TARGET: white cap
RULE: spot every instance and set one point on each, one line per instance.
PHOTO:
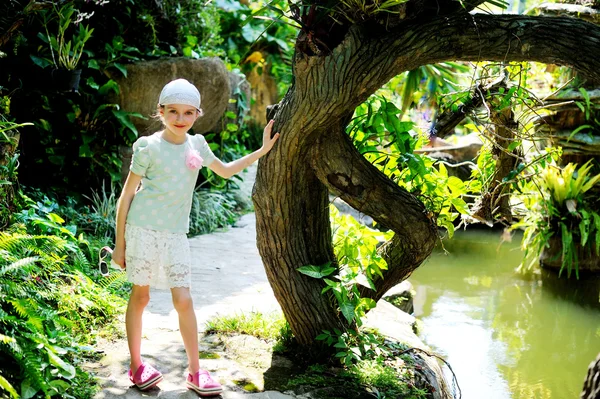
(180, 91)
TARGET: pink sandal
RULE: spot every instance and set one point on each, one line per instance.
(145, 377)
(203, 384)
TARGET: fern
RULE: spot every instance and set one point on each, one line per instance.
(44, 295)
(114, 280)
(19, 264)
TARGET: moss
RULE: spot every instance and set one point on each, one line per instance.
(246, 385)
(208, 355)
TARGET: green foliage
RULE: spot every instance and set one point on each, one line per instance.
(590, 111)
(387, 376)
(211, 210)
(560, 208)
(353, 346)
(48, 309)
(383, 378)
(389, 143)
(9, 163)
(65, 52)
(355, 246)
(263, 41)
(427, 83)
(103, 212)
(200, 35)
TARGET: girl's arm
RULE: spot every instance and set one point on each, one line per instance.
(129, 189)
(229, 169)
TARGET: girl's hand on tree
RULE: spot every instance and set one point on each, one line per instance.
(269, 141)
(118, 256)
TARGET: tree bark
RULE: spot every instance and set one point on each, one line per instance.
(313, 155)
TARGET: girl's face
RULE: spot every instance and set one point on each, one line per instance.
(179, 118)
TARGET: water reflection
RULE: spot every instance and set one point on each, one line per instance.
(506, 336)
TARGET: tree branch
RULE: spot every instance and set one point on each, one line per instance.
(364, 61)
(480, 37)
(349, 175)
(447, 121)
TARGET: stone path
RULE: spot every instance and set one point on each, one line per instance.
(227, 277)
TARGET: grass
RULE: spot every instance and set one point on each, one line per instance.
(269, 326)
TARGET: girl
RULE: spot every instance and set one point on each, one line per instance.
(152, 223)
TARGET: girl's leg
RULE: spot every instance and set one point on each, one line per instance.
(139, 298)
(182, 301)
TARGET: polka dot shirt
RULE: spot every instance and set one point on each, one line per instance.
(164, 201)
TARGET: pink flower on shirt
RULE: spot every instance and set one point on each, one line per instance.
(193, 160)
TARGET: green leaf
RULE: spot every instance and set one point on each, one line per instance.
(513, 145)
(60, 386)
(92, 83)
(317, 271)
(123, 117)
(55, 218)
(109, 86)
(41, 62)
(121, 68)
(27, 390)
(348, 310)
(58, 362)
(368, 303)
(460, 205)
(93, 64)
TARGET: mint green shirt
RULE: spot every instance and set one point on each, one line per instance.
(164, 201)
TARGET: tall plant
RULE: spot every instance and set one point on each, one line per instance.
(560, 209)
(66, 48)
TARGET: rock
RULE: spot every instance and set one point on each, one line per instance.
(401, 296)
(140, 90)
(399, 326)
(467, 148)
(394, 323)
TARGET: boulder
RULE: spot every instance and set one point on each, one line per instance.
(140, 90)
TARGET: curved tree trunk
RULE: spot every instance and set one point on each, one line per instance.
(314, 156)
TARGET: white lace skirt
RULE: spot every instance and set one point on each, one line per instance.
(156, 258)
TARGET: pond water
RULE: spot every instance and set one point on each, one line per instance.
(506, 335)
